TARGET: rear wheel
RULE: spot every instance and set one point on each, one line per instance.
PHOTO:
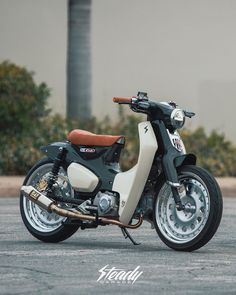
(45, 226)
(193, 227)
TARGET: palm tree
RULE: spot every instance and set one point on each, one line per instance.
(78, 60)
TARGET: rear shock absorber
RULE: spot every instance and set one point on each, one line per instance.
(55, 170)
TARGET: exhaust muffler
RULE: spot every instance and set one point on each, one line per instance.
(44, 202)
(37, 197)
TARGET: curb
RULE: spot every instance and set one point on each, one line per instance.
(10, 186)
(227, 186)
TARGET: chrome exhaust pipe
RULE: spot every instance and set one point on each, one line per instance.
(44, 202)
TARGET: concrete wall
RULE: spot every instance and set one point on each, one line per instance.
(179, 49)
(182, 49)
(33, 34)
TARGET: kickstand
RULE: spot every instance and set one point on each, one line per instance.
(127, 235)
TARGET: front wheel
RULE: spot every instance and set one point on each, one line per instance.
(192, 228)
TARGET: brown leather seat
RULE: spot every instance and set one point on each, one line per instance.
(82, 137)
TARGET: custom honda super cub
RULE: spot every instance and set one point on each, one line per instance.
(80, 185)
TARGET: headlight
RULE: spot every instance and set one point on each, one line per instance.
(177, 118)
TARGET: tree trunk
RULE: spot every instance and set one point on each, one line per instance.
(78, 60)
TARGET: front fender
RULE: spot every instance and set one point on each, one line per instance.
(180, 160)
(187, 159)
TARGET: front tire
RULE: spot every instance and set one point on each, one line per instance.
(192, 228)
(47, 227)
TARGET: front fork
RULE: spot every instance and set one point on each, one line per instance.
(176, 195)
(172, 179)
(170, 154)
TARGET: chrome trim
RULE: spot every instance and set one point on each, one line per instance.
(173, 119)
(174, 184)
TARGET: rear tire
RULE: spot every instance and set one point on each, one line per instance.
(47, 227)
(191, 229)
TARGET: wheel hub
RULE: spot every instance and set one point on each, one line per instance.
(189, 209)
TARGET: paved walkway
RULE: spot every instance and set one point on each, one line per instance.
(10, 186)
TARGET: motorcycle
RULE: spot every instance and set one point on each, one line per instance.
(80, 184)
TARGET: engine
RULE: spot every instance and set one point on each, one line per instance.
(107, 204)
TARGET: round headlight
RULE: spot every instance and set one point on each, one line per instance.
(177, 118)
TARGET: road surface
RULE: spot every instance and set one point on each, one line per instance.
(28, 266)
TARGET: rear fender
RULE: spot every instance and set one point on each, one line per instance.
(52, 151)
(103, 172)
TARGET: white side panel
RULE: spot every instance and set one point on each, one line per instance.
(130, 184)
(81, 178)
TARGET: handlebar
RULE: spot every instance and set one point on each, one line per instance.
(135, 104)
(122, 100)
(141, 105)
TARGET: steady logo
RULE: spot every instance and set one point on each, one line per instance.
(118, 275)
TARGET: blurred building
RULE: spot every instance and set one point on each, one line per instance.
(182, 50)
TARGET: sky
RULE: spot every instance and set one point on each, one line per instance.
(181, 50)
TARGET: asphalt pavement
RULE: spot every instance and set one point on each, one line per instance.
(28, 266)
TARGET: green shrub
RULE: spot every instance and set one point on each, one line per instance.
(18, 153)
(214, 152)
(22, 102)
(22, 110)
(26, 125)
